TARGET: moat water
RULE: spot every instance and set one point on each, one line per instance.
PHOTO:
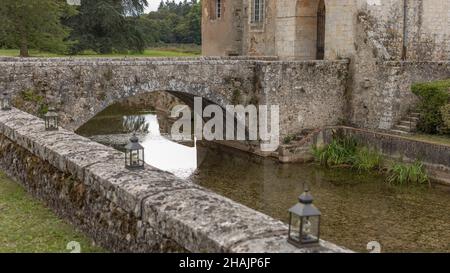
(356, 208)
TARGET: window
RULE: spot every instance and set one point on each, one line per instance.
(218, 9)
(258, 11)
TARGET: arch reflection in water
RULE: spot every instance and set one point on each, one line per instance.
(165, 154)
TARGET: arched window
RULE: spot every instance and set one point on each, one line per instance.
(321, 15)
(258, 11)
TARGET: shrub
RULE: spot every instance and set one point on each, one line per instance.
(445, 115)
(401, 174)
(433, 96)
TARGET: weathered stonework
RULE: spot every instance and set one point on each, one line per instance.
(80, 88)
(293, 29)
(125, 211)
(383, 90)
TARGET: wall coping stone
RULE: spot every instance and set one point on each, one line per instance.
(196, 218)
(158, 61)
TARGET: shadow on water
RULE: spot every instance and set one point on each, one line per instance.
(356, 208)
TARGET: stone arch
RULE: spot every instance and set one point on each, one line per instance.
(181, 90)
(186, 94)
(310, 32)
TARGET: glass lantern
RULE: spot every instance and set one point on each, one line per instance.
(304, 222)
(51, 120)
(6, 102)
(134, 154)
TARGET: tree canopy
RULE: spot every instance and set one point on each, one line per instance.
(34, 24)
(104, 26)
(107, 25)
(173, 23)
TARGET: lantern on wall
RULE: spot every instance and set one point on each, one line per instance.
(51, 120)
(6, 102)
(304, 222)
(134, 154)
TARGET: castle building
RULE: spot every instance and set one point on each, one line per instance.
(327, 29)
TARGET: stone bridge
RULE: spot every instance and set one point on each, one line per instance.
(310, 94)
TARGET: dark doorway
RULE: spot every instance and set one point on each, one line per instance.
(321, 15)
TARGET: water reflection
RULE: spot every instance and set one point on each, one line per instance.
(137, 123)
(165, 154)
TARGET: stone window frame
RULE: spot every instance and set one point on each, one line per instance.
(216, 9)
(257, 24)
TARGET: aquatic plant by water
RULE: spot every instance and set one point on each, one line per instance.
(367, 160)
(341, 151)
(401, 174)
(345, 151)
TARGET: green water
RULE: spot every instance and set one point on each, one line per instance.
(356, 208)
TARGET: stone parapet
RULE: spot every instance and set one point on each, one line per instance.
(128, 211)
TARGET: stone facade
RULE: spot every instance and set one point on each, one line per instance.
(87, 184)
(293, 29)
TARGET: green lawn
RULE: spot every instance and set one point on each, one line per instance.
(156, 52)
(28, 226)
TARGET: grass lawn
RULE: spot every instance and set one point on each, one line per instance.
(437, 139)
(27, 226)
(156, 52)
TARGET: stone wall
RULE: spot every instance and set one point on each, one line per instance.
(311, 94)
(422, 26)
(130, 211)
(382, 92)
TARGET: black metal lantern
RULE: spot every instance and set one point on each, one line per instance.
(51, 120)
(6, 102)
(304, 222)
(134, 154)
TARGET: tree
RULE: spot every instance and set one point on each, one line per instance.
(34, 24)
(173, 23)
(106, 26)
